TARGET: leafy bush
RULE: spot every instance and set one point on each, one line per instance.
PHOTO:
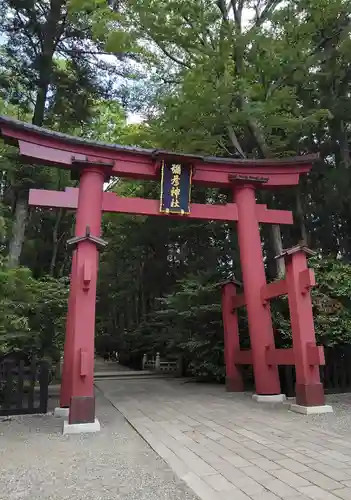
(331, 301)
(189, 321)
(331, 305)
(32, 313)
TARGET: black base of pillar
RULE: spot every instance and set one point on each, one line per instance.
(82, 410)
(234, 384)
(310, 395)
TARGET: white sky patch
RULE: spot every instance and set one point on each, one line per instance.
(134, 118)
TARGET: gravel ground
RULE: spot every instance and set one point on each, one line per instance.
(340, 420)
(37, 462)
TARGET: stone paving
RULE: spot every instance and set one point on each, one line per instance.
(225, 446)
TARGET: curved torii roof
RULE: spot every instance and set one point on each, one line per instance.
(38, 144)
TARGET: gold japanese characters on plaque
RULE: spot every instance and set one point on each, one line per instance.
(175, 188)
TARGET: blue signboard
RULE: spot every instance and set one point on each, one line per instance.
(175, 188)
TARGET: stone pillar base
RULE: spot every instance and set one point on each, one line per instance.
(61, 412)
(311, 410)
(81, 428)
(310, 394)
(234, 384)
(272, 398)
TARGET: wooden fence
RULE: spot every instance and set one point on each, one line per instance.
(18, 382)
(156, 364)
(335, 374)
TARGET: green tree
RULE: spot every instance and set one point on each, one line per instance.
(51, 67)
(32, 313)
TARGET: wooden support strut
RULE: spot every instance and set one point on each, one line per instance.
(268, 291)
(275, 357)
(140, 206)
(273, 290)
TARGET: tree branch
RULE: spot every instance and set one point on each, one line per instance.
(235, 142)
(314, 54)
(90, 52)
(261, 18)
(24, 30)
(170, 56)
(237, 11)
(223, 8)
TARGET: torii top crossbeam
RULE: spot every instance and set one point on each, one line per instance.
(52, 148)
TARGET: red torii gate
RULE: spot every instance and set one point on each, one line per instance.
(94, 163)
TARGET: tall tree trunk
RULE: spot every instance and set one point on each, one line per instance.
(39, 108)
(55, 242)
(300, 217)
(18, 230)
(278, 249)
(21, 203)
(52, 30)
(344, 144)
(239, 101)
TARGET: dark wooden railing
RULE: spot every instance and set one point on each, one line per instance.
(335, 375)
(18, 382)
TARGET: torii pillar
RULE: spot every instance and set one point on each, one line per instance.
(267, 381)
(307, 355)
(77, 387)
(233, 379)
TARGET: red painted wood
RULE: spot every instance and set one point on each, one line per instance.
(270, 216)
(65, 390)
(282, 356)
(53, 199)
(315, 354)
(84, 363)
(309, 390)
(40, 146)
(86, 275)
(81, 321)
(253, 272)
(238, 301)
(273, 357)
(219, 177)
(244, 357)
(133, 163)
(307, 280)
(47, 155)
(276, 357)
(126, 165)
(140, 206)
(272, 290)
(234, 381)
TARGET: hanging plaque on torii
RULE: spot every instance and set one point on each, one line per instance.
(175, 188)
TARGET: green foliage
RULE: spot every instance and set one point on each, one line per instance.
(188, 320)
(192, 320)
(331, 300)
(32, 313)
(331, 305)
